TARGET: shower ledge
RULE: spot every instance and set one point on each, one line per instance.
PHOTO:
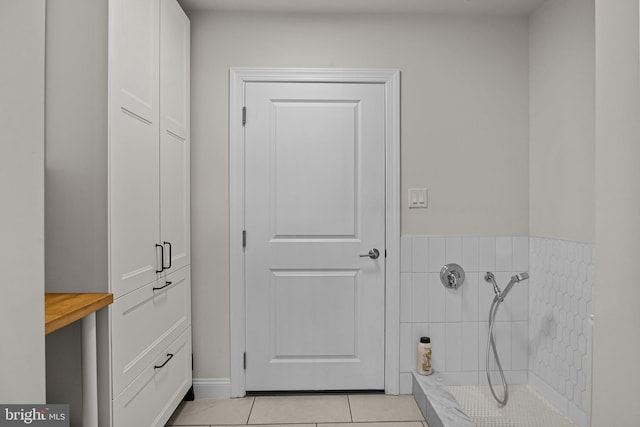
(438, 406)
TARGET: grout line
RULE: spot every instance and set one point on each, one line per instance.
(251, 410)
(349, 403)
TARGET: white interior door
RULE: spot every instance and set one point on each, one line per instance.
(314, 203)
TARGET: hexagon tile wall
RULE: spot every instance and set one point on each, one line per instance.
(560, 325)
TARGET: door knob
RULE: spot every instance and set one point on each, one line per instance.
(373, 254)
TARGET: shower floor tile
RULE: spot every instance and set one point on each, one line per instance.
(525, 407)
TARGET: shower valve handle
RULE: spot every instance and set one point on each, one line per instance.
(453, 277)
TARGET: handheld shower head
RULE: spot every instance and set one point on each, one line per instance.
(514, 279)
(491, 342)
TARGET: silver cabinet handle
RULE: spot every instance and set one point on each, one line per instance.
(373, 254)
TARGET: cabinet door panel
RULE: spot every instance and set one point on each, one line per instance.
(174, 132)
(133, 143)
(134, 55)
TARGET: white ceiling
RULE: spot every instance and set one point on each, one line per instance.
(488, 7)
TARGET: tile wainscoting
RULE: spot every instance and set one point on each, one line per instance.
(543, 328)
(457, 320)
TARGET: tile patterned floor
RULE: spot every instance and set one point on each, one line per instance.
(301, 411)
(525, 408)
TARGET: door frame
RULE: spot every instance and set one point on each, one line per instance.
(238, 77)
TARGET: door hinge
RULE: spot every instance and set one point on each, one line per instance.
(244, 239)
(192, 361)
(244, 360)
(244, 116)
(385, 253)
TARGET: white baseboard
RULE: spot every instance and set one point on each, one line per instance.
(212, 388)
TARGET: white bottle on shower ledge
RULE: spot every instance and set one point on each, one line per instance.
(424, 356)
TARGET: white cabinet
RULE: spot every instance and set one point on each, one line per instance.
(149, 209)
(118, 215)
(149, 141)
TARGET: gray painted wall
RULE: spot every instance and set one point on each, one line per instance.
(616, 292)
(465, 113)
(22, 359)
(76, 176)
(562, 120)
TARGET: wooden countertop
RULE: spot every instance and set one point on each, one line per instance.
(63, 309)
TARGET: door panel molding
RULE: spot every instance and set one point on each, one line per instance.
(238, 77)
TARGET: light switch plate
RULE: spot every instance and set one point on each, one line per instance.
(417, 198)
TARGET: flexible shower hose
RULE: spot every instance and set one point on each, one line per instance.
(491, 344)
